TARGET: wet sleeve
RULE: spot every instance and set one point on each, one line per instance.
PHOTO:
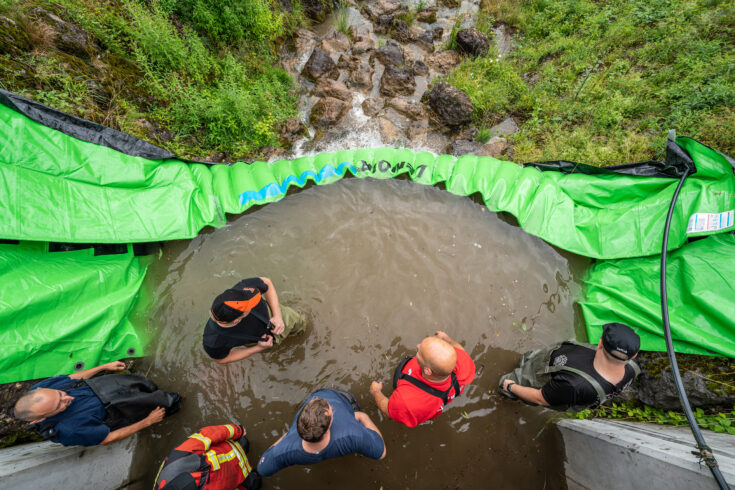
(399, 411)
(465, 367)
(212, 435)
(370, 443)
(558, 392)
(270, 461)
(71, 434)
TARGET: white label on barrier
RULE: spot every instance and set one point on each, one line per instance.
(710, 221)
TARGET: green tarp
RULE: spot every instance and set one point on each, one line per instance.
(57, 188)
(58, 309)
(54, 187)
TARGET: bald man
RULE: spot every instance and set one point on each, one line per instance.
(77, 410)
(423, 384)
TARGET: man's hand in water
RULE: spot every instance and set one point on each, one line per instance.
(114, 366)
(376, 387)
(266, 344)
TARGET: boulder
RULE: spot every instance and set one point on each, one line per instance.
(291, 130)
(401, 32)
(466, 147)
(371, 107)
(389, 133)
(326, 87)
(14, 39)
(397, 81)
(336, 42)
(320, 65)
(363, 45)
(383, 23)
(472, 42)
(496, 147)
(359, 72)
(420, 69)
(451, 104)
(69, 37)
(427, 15)
(411, 109)
(327, 112)
(655, 386)
(443, 61)
(374, 11)
(426, 41)
(391, 54)
(317, 9)
(505, 128)
(452, 4)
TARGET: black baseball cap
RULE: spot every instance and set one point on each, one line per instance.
(234, 302)
(620, 341)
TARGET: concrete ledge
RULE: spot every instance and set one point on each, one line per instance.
(614, 454)
(52, 466)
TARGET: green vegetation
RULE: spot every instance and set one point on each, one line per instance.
(716, 421)
(342, 19)
(483, 136)
(194, 76)
(602, 83)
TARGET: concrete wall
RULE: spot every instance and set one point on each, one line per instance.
(612, 454)
(49, 466)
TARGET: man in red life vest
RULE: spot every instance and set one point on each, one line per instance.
(425, 383)
(212, 459)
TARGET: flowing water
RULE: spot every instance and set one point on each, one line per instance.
(376, 265)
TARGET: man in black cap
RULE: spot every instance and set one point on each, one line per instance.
(571, 377)
(248, 319)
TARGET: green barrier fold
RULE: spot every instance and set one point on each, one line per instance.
(700, 295)
(58, 309)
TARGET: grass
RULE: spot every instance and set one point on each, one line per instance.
(602, 83)
(214, 88)
(342, 19)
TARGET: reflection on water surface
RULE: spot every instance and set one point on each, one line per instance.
(377, 265)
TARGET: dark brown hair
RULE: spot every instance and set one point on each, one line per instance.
(313, 420)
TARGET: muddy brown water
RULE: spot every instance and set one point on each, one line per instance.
(377, 265)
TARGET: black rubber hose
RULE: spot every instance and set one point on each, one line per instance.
(703, 451)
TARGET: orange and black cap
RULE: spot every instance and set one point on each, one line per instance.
(233, 303)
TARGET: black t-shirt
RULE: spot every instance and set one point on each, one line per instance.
(566, 389)
(218, 341)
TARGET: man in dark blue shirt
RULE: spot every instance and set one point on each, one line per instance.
(68, 411)
(327, 426)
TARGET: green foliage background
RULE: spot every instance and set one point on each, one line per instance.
(602, 82)
(201, 72)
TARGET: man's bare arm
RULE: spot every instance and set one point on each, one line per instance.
(117, 435)
(88, 373)
(271, 297)
(237, 354)
(376, 389)
(526, 393)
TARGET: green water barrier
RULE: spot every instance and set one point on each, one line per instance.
(65, 311)
(63, 179)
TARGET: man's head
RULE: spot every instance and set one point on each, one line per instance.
(41, 403)
(619, 342)
(436, 357)
(234, 304)
(314, 420)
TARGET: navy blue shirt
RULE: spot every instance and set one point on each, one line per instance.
(80, 424)
(347, 436)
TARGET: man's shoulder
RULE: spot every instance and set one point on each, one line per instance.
(54, 382)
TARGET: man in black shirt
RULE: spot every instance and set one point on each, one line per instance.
(240, 317)
(571, 377)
